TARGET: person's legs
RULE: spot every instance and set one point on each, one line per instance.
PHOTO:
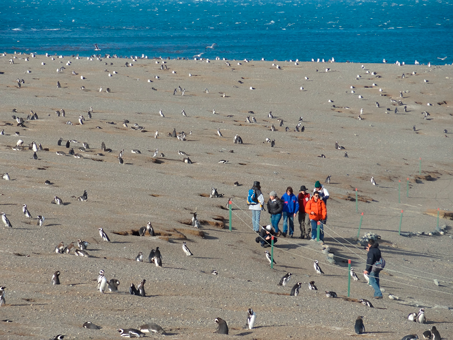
(313, 229)
(275, 218)
(302, 224)
(256, 220)
(291, 223)
(374, 282)
(321, 231)
(285, 223)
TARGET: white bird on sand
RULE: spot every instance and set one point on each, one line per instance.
(373, 181)
(219, 133)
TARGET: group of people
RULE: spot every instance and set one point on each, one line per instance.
(314, 207)
(310, 210)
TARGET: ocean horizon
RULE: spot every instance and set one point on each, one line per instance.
(346, 30)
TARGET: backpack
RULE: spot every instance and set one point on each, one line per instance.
(379, 265)
(251, 197)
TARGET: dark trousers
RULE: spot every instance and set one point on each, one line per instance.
(302, 222)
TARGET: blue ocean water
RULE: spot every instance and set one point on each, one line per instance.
(347, 30)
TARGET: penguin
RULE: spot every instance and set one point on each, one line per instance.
(186, 249)
(56, 278)
(412, 317)
(354, 275)
(58, 337)
(157, 258)
(222, 327)
(84, 197)
(59, 248)
(317, 267)
(133, 290)
(359, 327)
(139, 257)
(141, 288)
(40, 220)
(113, 285)
(328, 179)
(150, 229)
(6, 221)
(435, 332)
(214, 193)
(2, 296)
(103, 235)
(214, 272)
(152, 328)
(57, 200)
(410, 337)
(90, 325)
(427, 334)
(68, 144)
(331, 294)
(82, 244)
(130, 333)
(312, 286)
(251, 318)
(373, 181)
(25, 211)
(421, 316)
(367, 278)
(6, 177)
(295, 289)
(102, 282)
(268, 257)
(151, 256)
(285, 279)
(366, 303)
(195, 222)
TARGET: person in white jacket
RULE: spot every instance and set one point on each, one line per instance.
(324, 195)
(256, 205)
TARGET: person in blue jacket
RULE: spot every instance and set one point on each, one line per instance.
(290, 209)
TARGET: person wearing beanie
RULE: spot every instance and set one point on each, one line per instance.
(265, 237)
(275, 208)
(303, 198)
(290, 209)
(323, 194)
(316, 210)
(255, 200)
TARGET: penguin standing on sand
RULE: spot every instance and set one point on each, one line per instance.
(317, 267)
(151, 256)
(157, 258)
(141, 288)
(103, 235)
(186, 249)
(56, 278)
(251, 317)
(102, 282)
(222, 327)
(25, 211)
(412, 317)
(312, 286)
(2, 296)
(139, 257)
(354, 275)
(268, 256)
(435, 333)
(133, 290)
(6, 221)
(295, 289)
(359, 327)
(285, 279)
(40, 220)
(421, 316)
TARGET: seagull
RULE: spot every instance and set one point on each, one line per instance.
(442, 58)
(198, 55)
(212, 46)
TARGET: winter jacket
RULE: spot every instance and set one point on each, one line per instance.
(319, 208)
(303, 199)
(324, 194)
(374, 255)
(290, 203)
(274, 206)
(260, 200)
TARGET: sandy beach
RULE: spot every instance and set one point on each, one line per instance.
(183, 296)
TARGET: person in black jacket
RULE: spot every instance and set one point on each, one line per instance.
(265, 237)
(374, 255)
(275, 208)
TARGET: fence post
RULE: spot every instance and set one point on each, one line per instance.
(230, 208)
(360, 226)
(349, 277)
(272, 252)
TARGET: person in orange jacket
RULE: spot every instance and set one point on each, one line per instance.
(316, 210)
